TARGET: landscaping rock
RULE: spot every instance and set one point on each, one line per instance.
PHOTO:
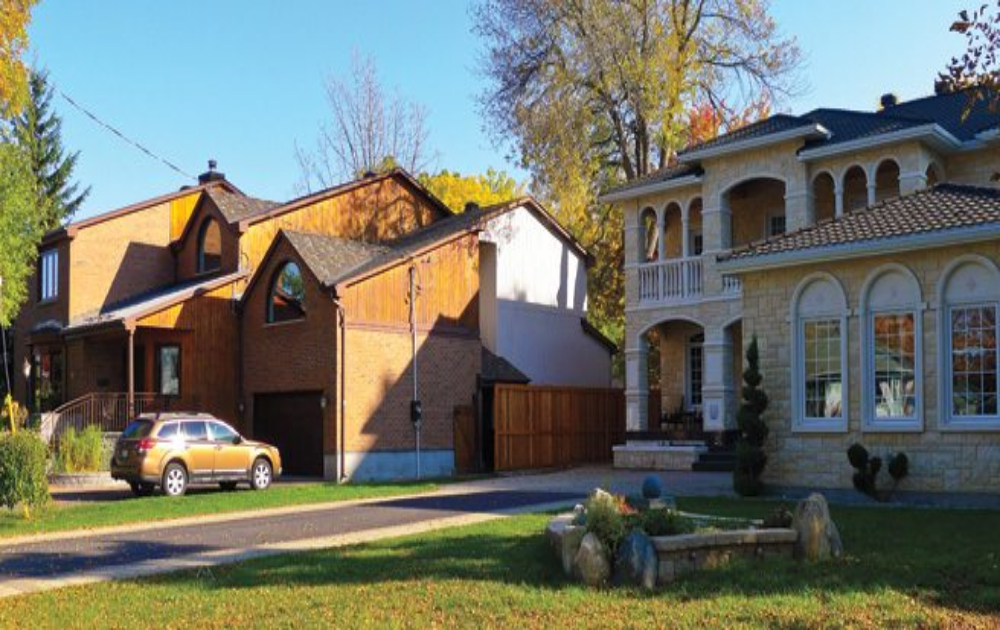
(591, 563)
(818, 538)
(570, 546)
(636, 562)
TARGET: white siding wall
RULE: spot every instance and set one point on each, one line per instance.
(541, 295)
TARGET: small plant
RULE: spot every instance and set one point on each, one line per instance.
(664, 523)
(867, 469)
(753, 431)
(81, 452)
(12, 415)
(22, 471)
(780, 518)
(605, 520)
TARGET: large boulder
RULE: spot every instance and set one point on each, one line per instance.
(570, 546)
(591, 562)
(635, 562)
(818, 538)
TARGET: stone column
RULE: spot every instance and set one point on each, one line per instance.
(717, 227)
(637, 388)
(685, 234)
(798, 209)
(661, 235)
(912, 181)
(718, 391)
(871, 191)
(838, 199)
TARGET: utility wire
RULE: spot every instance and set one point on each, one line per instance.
(122, 136)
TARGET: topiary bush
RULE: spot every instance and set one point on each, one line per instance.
(867, 469)
(753, 431)
(22, 471)
(81, 452)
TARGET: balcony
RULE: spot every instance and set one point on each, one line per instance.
(681, 281)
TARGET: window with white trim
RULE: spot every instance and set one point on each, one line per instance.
(891, 394)
(819, 355)
(48, 275)
(970, 301)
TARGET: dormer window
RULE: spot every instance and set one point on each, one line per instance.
(48, 275)
(209, 246)
(286, 299)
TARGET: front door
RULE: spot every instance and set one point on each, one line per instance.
(200, 449)
(232, 461)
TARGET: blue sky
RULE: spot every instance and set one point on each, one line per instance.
(241, 82)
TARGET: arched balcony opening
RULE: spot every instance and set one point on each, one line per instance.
(694, 236)
(886, 180)
(933, 174)
(757, 210)
(673, 231)
(824, 197)
(855, 188)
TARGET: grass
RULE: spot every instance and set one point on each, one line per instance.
(135, 510)
(903, 567)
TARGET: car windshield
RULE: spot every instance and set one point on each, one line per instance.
(137, 429)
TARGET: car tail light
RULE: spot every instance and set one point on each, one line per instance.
(145, 444)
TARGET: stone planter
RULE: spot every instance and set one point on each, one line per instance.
(695, 552)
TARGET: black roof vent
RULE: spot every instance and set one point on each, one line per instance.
(888, 100)
(211, 175)
(369, 174)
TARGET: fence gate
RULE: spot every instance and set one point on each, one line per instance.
(544, 427)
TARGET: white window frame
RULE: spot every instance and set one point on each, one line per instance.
(833, 312)
(910, 304)
(991, 297)
(48, 272)
(688, 389)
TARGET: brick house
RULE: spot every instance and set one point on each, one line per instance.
(862, 249)
(289, 320)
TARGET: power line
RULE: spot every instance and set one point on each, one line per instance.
(122, 136)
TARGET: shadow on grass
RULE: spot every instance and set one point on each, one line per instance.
(946, 559)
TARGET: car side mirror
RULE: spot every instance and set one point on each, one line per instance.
(238, 439)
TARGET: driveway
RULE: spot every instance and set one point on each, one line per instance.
(79, 558)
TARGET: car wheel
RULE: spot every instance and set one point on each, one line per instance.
(141, 489)
(260, 474)
(228, 486)
(175, 480)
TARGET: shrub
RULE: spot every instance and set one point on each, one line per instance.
(779, 518)
(605, 521)
(22, 471)
(664, 523)
(81, 452)
(753, 431)
(10, 408)
(867, 469)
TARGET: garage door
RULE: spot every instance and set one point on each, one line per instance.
(293, 423)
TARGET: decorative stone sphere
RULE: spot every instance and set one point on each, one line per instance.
(651, 487)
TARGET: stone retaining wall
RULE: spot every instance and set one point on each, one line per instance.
(693, 552)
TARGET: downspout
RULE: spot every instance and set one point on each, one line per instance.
(413, 350)
(340, 375)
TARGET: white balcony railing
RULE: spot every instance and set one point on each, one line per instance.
(731, 285)
(671, 280)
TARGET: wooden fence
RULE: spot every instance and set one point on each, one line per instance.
(544, 427)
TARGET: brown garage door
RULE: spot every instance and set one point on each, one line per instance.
(293, 423)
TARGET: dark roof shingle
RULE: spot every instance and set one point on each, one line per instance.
(942, 208)
(497, 369)
(235, 207)
(331, 258)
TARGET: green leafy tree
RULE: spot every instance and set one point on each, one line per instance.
(590, 94)
(456, 190)
(753, 431)
(20, 229)
(38, 131)
(14, 18)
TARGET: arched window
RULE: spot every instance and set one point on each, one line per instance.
(650, 235)
(933, 174)
(286, 298)
(209, 246)
(819, 355)
(886, 180)
(892, 385)
(970, 299)
(855, 189)
(824, 197)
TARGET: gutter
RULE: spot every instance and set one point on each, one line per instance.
(650, 189)
(754, 143)
(932, 131)
(848, 251)
(340, 387)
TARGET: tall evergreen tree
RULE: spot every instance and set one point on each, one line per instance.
(38, 131)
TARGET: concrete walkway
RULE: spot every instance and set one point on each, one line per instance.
(49, 561)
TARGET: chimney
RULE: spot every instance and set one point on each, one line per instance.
(211, 175)
(888, 100)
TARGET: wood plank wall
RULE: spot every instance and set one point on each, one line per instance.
(545, 427)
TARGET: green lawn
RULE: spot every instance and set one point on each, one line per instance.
(902, 568)
(156, 508)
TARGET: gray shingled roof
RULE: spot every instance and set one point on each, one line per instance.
(497, 369)
(236, 207)
(943, 208)
(773, 124)
(330, 258)
(660, 175)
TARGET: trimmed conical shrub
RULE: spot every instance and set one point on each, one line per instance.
(750, 455)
